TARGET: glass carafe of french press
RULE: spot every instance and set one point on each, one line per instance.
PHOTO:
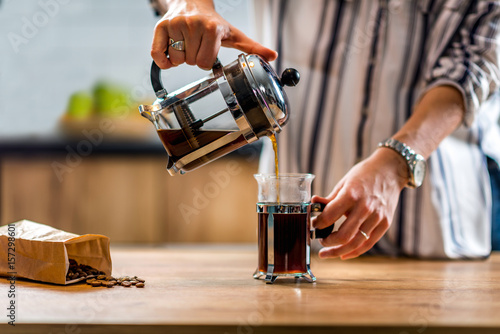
(284, 226)
(248, 99)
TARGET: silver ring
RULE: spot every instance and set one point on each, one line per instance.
(364, 235)
(179, 45)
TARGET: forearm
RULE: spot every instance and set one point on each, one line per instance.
(438, 114)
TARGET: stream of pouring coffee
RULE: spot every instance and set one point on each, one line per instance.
(275, 148)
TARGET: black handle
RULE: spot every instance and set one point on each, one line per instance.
(324, 232)
(156, 81)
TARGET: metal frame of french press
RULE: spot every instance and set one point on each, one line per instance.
(274, 208)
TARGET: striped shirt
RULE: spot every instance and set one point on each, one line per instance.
(363, 66)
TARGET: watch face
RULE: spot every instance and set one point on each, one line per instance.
(419, 172)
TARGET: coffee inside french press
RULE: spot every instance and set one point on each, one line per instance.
(252, 96)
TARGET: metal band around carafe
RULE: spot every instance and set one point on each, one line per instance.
(284, 208)
(233, 105)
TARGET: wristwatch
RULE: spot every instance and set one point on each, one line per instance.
(416, 162)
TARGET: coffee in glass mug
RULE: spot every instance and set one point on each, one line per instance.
(284, 226)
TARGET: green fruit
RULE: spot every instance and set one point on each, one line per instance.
(111, 100)
(80, 105)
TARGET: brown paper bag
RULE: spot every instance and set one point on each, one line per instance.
(40, 252)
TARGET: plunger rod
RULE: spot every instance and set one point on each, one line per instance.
(199, 123)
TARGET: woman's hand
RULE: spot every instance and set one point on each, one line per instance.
(203, 31)
(367, 195)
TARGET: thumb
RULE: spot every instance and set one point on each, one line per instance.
(238, 40)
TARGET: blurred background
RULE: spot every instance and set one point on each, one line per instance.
(74, 151)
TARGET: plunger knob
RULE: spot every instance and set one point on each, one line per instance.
(290, 77)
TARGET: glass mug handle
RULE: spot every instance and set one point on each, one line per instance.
(323, 232)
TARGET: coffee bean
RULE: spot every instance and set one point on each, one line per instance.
(101, 277)
(96, 283)
(90, 280)
(126, 284)
(76, 271)
(140, 280)
(140, 285)
(110, 284)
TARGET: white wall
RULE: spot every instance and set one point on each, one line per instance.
(74, 43)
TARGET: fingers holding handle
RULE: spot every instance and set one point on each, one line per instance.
(159, 48)
(322, 233)
(186, 39)
(203, 32)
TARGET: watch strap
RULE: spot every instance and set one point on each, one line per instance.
(400, 147)
(407, 153)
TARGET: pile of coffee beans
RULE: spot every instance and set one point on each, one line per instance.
(110, 281)
(98, 278)
(76, 271)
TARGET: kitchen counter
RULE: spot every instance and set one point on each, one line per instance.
(210, 289)
(63, 146)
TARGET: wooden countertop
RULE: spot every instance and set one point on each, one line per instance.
(210, 289)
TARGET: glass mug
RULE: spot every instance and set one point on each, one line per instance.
(284, 226)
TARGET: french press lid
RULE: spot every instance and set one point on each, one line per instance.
(260, 92)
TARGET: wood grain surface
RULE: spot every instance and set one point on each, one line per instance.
(210, 289)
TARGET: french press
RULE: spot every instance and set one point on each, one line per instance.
(249, 103)
(284, 232)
